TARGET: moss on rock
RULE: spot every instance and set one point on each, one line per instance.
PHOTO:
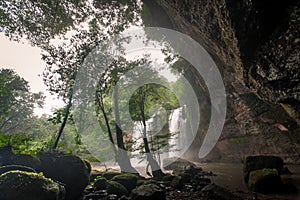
(129, 181)
(29, 186)
(116, 188)
(265, 181)
(252, 163)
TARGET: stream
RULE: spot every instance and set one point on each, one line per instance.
(230, 175)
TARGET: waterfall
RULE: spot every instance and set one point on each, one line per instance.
(177, 128)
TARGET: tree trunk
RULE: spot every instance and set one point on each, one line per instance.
(67, 111)
(155, 168)
(101, 106)
(122, 156)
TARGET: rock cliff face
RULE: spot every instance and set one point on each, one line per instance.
(256, 45)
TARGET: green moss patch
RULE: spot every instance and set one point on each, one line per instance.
(29, 186)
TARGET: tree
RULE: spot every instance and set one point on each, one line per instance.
(108, 80)
(141, 103)
(17, 103)
(40, 21)
(63, 61)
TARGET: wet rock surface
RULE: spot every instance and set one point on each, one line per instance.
(189, 183)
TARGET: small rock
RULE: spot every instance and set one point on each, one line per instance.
(112, 197)
(192, 170)
(185, 177)
(177, 182)
(89, 189)
(148, 192)
(100, 183)
(129, 181)
(116, 188)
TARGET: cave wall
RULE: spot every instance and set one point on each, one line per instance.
(255, 44)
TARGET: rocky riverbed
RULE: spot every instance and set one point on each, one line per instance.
(224, 181)
(59, 176)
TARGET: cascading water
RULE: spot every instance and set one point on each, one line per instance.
(177, 128)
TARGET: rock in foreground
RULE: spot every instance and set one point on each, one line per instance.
(67, 169)
(129, 181)
(265, 181)
(148, 192)
(252, 163)
(15, 185)
(116, 188)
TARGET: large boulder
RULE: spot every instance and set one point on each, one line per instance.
(148, 192)
(67, 169)
(252, 163)
(116, 188)
(16, 185)
(129, 181)
(265, 181)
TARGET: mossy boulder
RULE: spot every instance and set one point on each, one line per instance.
(15, 185)
(116, 188)
(252, 163)
(265, 181)
(148, 192)
(129, 181)
(67, 169)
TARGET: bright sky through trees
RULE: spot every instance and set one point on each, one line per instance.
(26, 61)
